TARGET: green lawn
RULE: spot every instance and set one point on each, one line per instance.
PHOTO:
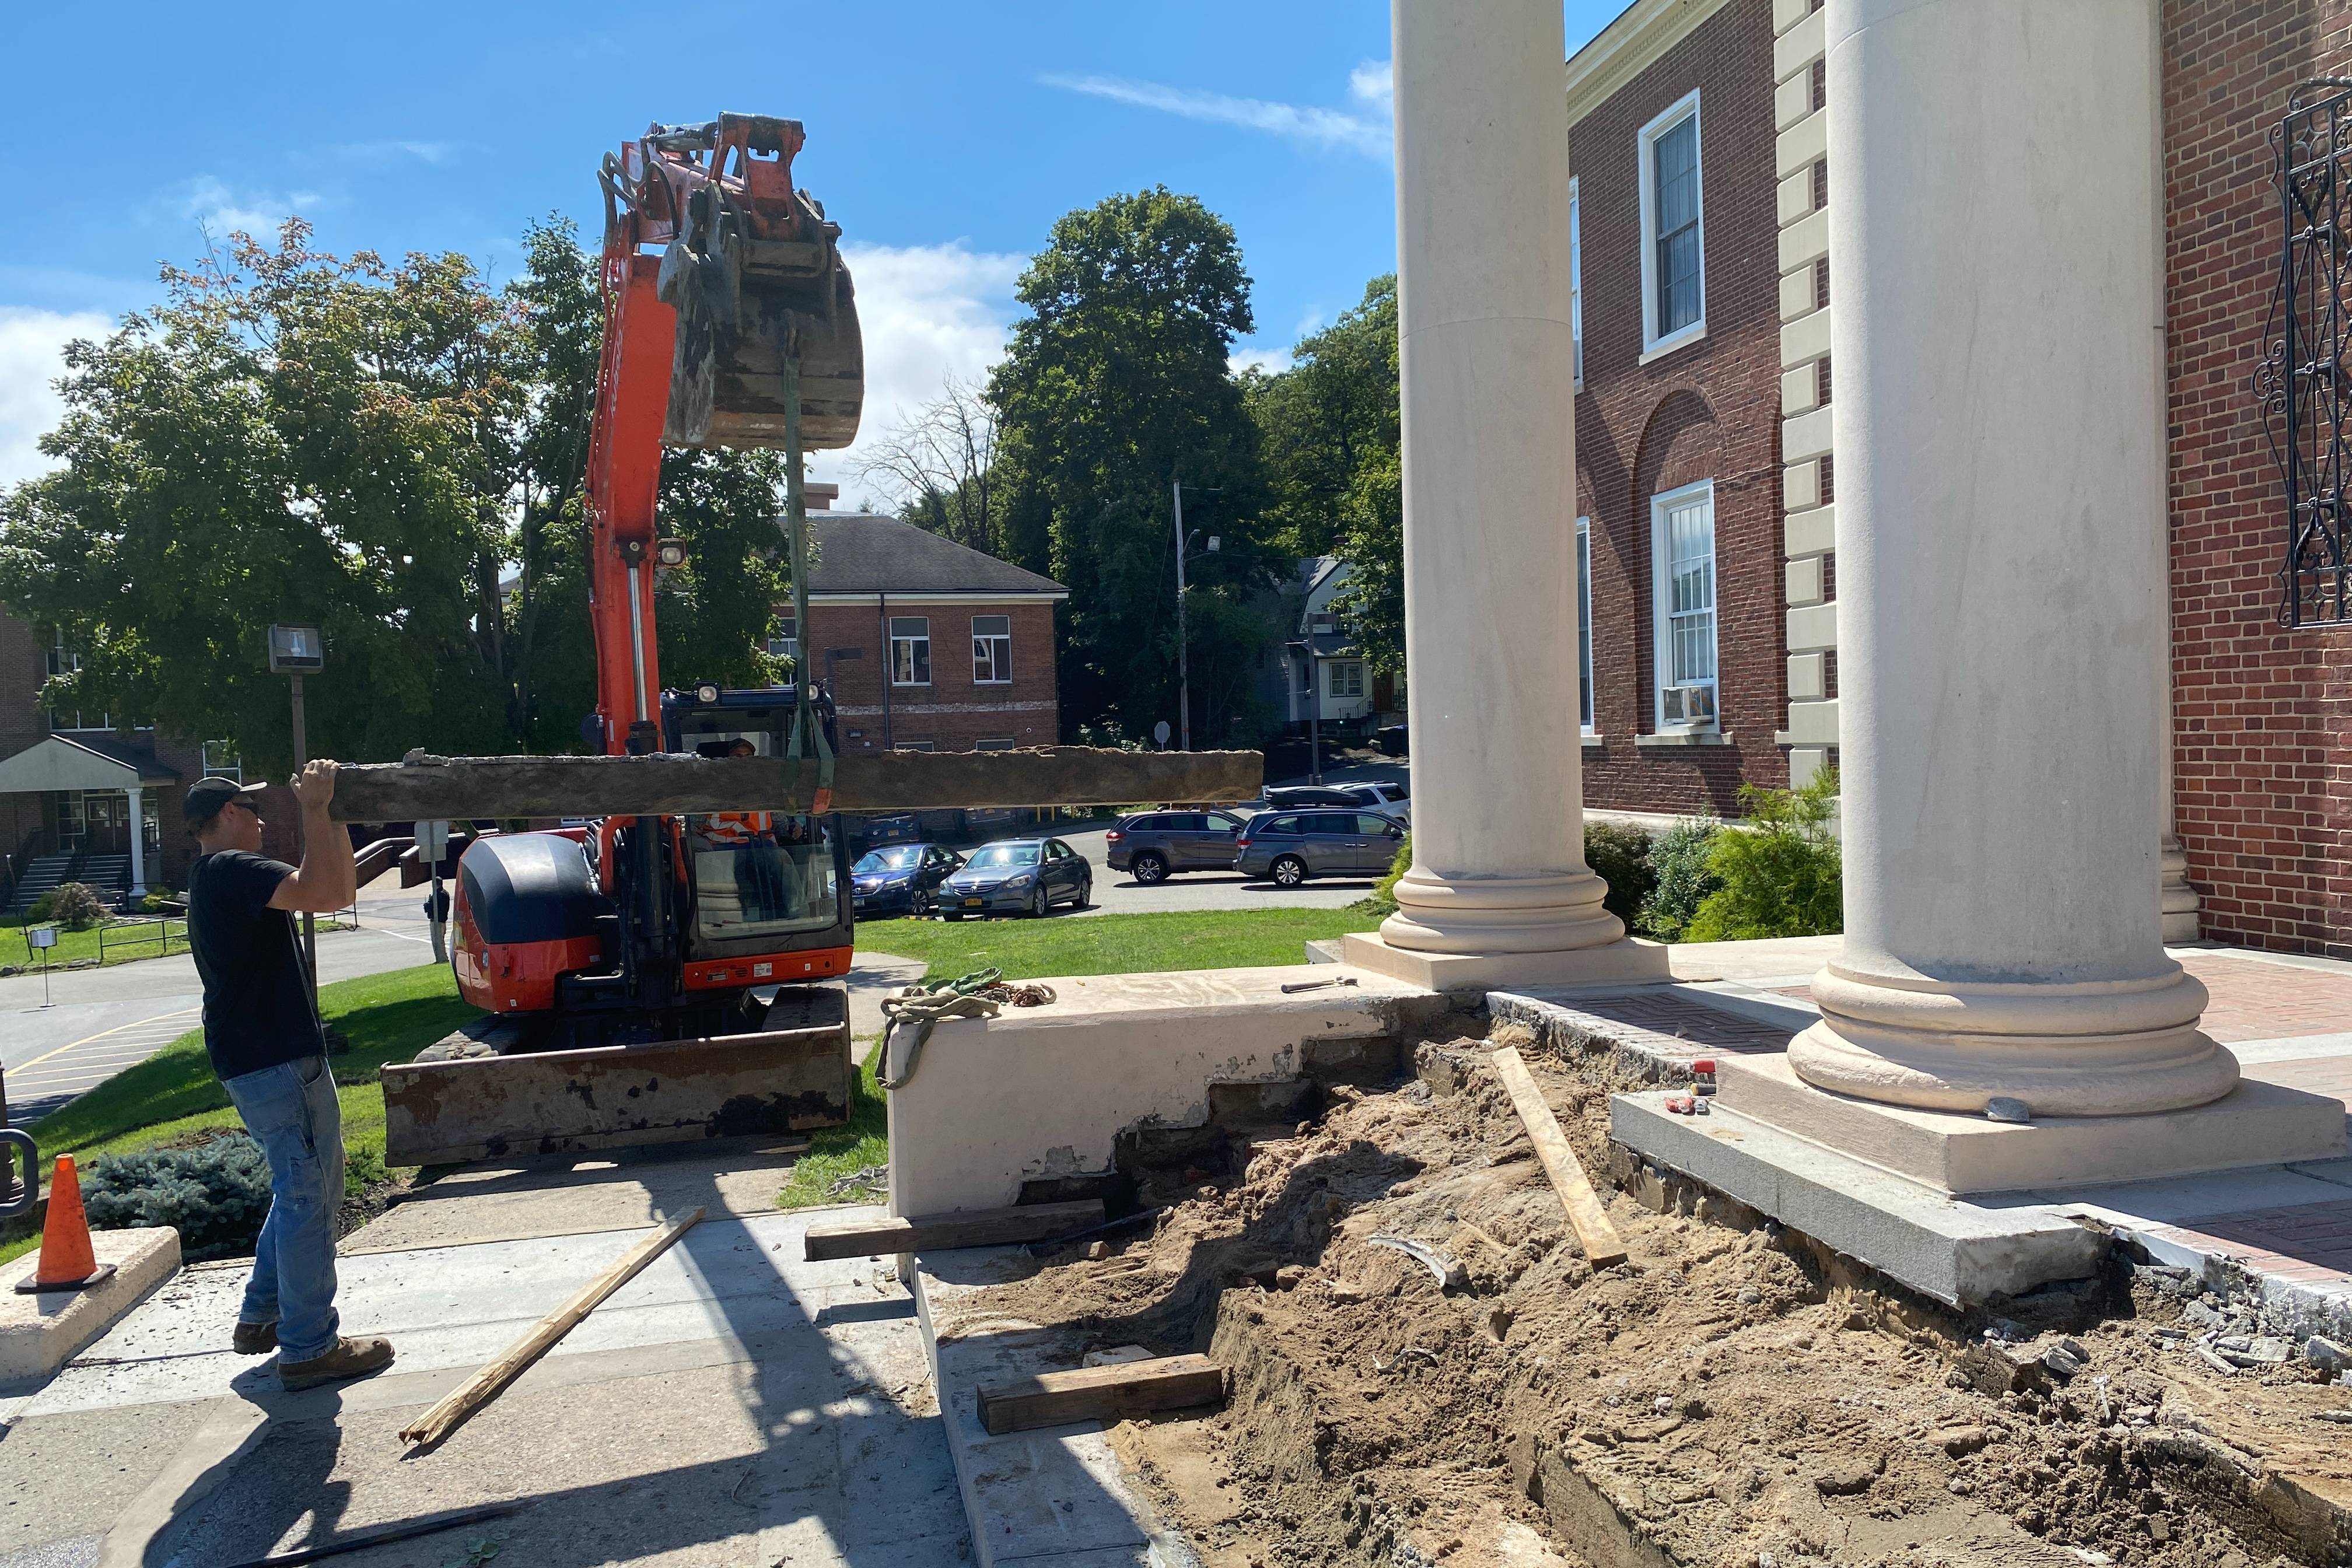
(1110, 944)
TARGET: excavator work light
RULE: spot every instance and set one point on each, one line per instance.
(670, 552)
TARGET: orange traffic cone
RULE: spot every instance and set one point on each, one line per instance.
(68, 1263)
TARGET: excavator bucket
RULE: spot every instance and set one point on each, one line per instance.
(756, 276)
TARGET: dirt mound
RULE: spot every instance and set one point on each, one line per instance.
(1731, 1397)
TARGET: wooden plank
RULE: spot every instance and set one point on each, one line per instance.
(429, 788)
(1101, 1392)
(1593, 1231)
(492, 1379)
(968, 1228)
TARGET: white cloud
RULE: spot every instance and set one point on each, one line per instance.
(377, 155)
(1246, 359)
(928, 312)
(32, 356)
(1368, 133)
(221, 209)
(1374, 83)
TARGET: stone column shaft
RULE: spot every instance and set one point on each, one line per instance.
(2002, 569)
(138, 800)
(1488, 365)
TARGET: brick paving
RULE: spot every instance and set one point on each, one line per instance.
(2252, 999)
(2309, 1244)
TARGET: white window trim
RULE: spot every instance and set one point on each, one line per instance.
(895, 639)
(1684, 108)
(1576, 283)
(1585, 722)
(1006, 637)
(1659, 504)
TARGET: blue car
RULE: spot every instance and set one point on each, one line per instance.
(1017, 876)
(900, 880)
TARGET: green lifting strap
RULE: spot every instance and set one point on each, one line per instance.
(804, 718)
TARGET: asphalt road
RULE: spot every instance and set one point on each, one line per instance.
(1117, 893)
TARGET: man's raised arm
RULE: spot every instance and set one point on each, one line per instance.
(328, 878)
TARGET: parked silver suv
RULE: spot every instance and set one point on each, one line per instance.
(1288, 846)
(1150, 845)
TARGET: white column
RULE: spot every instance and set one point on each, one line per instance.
(137, 798)
(2001, 564)
(1489, 484)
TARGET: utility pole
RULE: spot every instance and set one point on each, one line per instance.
(297, 651)
(1184, 638)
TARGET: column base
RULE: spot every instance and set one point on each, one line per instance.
(2181, 904)
(1627, 961)
(2255, 1123)
(2105, 1047)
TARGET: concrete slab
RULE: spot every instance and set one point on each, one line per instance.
(37, 1332)
(2290, 1049)
(732, 1405)
(487, 1203)
(1054, 1496)
(1114, 1053)
(2255, 1123)
(1632, 959)
(1958, 1252)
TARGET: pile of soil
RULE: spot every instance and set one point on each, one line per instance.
(1731, 1397)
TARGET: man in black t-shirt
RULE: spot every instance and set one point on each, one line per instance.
(262, 1032)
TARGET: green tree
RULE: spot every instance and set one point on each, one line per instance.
(1116, 385)
(288, 436)
(1331, 443)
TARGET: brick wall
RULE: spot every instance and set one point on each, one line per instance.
(2263, 715)
(1708, 410)
(954, 713)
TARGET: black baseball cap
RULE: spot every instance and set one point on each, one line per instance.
(207, 796)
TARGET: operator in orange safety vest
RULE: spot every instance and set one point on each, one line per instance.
(733, 827)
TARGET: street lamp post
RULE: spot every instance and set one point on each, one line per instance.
(1306, 652)
(298, 651)
(1184, 638)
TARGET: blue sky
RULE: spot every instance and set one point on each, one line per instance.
(945, 139)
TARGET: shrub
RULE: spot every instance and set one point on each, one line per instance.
(73, 905)
(1619, 854)
(162, 901)
(215, 1195)
(1679, 860)
(1381, 902)
(364, 1168)
(1781, 875)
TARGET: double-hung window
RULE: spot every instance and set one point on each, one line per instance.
(1584, 623)
(910, 651)
(992, 650)
(1682, 553)
(1673, 262)
(1347, 678)
(785, 640)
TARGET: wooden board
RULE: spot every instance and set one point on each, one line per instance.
(1101, 1392)
(1598, 1237)
(970, 1228)
(487, 1385)
(427, 788)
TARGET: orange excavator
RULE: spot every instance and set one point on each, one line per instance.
(729, 320)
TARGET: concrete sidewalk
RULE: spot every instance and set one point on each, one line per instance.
(732, 1405)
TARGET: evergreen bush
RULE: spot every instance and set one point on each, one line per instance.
(215, 1195)
(1781, 875)
(1381, 902)
(1679, 861)
(1619, 854)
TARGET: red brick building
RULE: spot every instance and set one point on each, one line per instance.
(1678, 431)
(2262, 708)
(965, 641)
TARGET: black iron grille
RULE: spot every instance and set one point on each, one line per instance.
(2303, 385)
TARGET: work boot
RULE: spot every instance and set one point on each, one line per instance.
(350, 1358)
(255, 1338)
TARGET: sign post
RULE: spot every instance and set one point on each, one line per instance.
(298, 651)
(42, 939)
(431, 845)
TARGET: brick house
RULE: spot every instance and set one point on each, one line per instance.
(79, 798)
(965, 640)
(1703, 544)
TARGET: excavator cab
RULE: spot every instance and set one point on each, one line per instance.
(765, 892)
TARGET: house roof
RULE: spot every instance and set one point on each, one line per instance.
(859, 556)
(83, 761)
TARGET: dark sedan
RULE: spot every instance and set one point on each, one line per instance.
(901, 879)
(1017, 876)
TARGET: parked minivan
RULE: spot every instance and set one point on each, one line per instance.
(1288, 846)
(1152, 845)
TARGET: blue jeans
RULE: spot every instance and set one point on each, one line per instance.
(292, 1112)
